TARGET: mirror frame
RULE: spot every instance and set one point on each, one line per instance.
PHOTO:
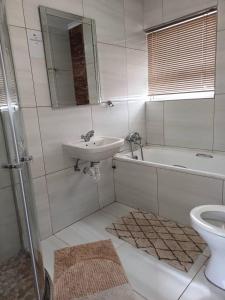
(43, 11)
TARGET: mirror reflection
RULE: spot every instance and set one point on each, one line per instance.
(71, 58)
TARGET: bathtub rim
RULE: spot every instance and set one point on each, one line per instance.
(122, 157)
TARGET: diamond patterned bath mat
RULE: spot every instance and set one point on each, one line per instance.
(90, 272)
(173, 243)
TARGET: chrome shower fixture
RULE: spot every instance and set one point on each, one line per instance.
(136, 139)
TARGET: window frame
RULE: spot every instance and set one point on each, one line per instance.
(210, 94)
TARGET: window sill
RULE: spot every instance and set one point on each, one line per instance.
(183, 96)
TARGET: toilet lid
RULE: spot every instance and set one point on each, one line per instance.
(213, 212)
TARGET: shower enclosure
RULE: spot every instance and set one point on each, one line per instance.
(22, 275)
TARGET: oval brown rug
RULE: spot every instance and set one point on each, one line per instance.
(90, 271)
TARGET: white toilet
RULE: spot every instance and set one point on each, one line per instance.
(209, 222)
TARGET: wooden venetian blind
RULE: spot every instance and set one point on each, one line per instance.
(181, 57)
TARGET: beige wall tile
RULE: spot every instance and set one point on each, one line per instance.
(179, 192)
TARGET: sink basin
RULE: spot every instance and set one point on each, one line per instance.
(97, 149)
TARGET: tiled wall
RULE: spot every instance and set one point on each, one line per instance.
(10, 240)
(169, 193)
(63, 196)
(188, 123)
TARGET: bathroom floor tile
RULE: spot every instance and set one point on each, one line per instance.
(147, 275)
(139, 297)
(206, 252)
(90, 229)
(150, 278)
(117, 209)
(200, 288)
(48, 248)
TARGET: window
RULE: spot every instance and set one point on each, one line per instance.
(181, 59)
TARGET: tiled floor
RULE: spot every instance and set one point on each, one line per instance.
(149, 277)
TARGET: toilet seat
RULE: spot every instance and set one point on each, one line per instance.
(211, 210)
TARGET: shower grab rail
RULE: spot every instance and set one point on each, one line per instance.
(19, 165)
(204, 155)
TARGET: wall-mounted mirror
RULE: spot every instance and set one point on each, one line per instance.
(71, 58)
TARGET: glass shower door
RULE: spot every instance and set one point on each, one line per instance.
(21, 269)
(22, 273)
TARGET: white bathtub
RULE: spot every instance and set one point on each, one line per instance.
(170, 181)
(198, 162)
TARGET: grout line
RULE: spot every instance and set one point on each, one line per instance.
(49, 205)
(110, 44)
(114, 184)
(219, 30)
(38, 119)
(146, 126)
(109, 212)
(37, 106)
(40, 134)
(127, 84)
(98, 193)
(199, 270)
(24, 19)
(18, 26)
(37, 177)
(215, 81)
(92, 120)
(128, 117)
(117, 203)
(124, 24)
(83, 7)
(92, 105)
(105, 212)
(213, 123)
(136, 49)
(143, 14)
(223, 203)
(61, 240)
(139, 294)
(6, 187)
(157, 190)
(60, 170)
(82, 218)
(126, 67)
(66, 107)
(121, 46)
(189, 148)
(164, 138)
(41, 141)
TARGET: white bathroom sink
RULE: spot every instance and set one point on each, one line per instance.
(97, 149)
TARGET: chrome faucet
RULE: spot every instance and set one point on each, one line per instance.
(135, 138)
(86, 137)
